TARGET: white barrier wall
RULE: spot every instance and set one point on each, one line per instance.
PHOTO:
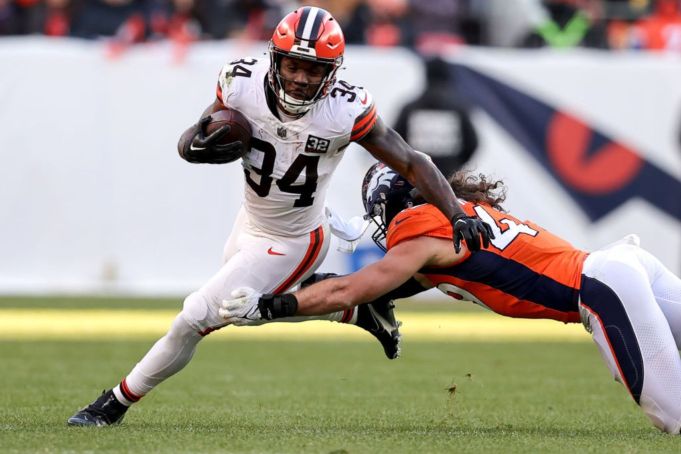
(94, 197)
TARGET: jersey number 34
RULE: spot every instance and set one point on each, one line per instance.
(285, 183)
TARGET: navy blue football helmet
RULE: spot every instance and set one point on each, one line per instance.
(384, 194)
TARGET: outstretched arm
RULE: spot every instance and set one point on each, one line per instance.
(413, 286)
(398, 265)
(387, 146)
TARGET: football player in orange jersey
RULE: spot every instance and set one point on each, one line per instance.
(624, 296)
(302, 119)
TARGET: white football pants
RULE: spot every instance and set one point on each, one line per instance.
(252, 258)
(631, 303)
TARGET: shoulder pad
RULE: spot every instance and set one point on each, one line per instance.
(363, 112)
(354, 104)
(230, 76)
(422, 220)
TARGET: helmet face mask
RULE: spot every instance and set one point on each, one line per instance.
(290, 102)
(309, 34)
(384, 193)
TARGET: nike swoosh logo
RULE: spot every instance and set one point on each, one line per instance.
(364, 101)
(193, 148)
(400, 221)
(271, 252)
(385, 324)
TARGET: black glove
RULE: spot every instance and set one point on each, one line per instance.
(470, 229)
(204, 141)
(205, 149)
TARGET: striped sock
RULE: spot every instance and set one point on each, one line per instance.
(349, 316)
(124, 395)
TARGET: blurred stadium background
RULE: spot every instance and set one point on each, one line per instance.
(575, 104)
(584, 129)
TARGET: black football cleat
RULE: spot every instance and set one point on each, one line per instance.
(105, 411)
(378, 319)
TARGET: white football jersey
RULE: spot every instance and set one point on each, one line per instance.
(289, 166)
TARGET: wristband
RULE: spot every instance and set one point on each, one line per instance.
(457, 217)
(277, 306)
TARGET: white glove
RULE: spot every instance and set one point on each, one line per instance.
(242, 309)
(351, 230)
(348, 232)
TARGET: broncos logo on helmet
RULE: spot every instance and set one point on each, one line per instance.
(385, 193)
(312, 34)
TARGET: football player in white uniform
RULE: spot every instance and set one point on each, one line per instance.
(302, 120)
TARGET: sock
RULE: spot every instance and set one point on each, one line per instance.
(123, 394)
(349, 316)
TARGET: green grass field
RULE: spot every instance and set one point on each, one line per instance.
(321, 395)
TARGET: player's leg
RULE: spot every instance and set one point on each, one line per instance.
(262, 262)
(632, 334)
(167, 356)
(666, 287)
(199, 317)
(232, 243)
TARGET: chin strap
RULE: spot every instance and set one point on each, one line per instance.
(295, 109)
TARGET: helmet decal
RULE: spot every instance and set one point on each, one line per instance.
(384, 193)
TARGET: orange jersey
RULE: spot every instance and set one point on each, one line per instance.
(526, 272)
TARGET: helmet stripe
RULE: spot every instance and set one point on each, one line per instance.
(309, 23)
(314, 33)
(302, 21)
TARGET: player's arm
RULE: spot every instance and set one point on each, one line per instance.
(413, 286)
(387, 146)
(399, 264)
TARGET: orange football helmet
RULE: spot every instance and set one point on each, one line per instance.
(308, 33)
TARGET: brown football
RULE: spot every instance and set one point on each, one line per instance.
(240, 127)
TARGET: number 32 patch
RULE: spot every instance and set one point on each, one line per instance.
(317, 144)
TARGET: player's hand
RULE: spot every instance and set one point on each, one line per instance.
(206, 149)
(470, 229)
(243, 308)
(206, 141)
